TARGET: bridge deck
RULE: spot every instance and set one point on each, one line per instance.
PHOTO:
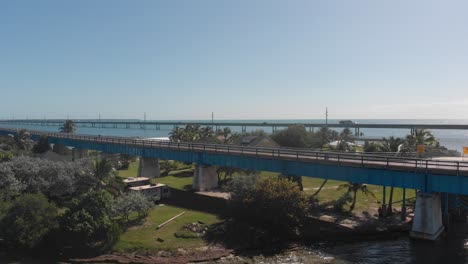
(303, 155)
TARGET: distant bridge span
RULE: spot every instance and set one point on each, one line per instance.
(425, 175)
(243, 125)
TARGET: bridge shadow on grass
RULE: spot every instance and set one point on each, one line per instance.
(182, 174)
(193, 201)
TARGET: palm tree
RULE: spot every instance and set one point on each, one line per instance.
(176, 134)
(345, 137)
(226, 133)
(22, 139)
(320, 188)
(354, 188)
(423, 137)
(68, 127)
(391, 144)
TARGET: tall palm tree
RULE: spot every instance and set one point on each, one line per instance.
(354, 188)
(423, 137)
(391, 144)
(68, 127)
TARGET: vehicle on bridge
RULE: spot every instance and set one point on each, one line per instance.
(347, 122)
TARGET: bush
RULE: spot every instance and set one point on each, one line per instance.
(28, 220)
(88, 224)
(42, 145)
(132, 202)
(167, 166)
(274, 204)
(340, 202)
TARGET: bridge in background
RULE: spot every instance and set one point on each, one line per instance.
(429, 176)
(216, 125)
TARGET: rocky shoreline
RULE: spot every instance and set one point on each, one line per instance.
(325, 230)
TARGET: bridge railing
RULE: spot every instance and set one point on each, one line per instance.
(364, 160)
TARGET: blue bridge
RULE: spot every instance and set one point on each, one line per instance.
(430, 177)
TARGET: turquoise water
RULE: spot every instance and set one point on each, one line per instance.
(453, 139)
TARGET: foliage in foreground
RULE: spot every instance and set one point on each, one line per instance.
(274, 204)
(27, 221)
(88, 223)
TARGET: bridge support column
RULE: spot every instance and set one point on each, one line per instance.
(205, 178)
(427, 223)
(79, 153)
(149, 167)
(60, 149)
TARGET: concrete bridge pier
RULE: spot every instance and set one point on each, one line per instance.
(79, 153)
(427, 222)
(149, 167)
(205, 178)
(60, 149)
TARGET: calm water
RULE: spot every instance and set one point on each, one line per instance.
(453, 139)
(449, 250)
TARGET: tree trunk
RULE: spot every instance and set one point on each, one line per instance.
(320, 188)
(390, 201)
(351, 208)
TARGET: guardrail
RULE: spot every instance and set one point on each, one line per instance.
(351, 159)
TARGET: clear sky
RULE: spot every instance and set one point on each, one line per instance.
(240, 59)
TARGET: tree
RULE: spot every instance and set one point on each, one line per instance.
(345, 138)
(176, 134)
(325, 136)
(295, 136)
(391, 144)
(29, 219)
(294, 178)
(320, 188)
(273, 204)
(23, 139)
(132, 202)
(354, 188)
(68, 127)
(88, 223)
(42, 145)
(167, 166)
(225, 133)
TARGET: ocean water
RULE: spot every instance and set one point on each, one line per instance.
(452, 139)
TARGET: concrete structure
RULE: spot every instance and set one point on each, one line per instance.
(139, 181)
(60, 149)
(205, 178)
(79, 153)
(427, 222)
(149, 167)
(154, 191)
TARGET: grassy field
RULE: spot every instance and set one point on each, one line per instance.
(146, 238)
(182, 180)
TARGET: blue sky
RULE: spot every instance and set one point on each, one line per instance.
(240, 59)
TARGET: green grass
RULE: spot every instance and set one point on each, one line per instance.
(144, 238)
(329, 193)
(132, 170)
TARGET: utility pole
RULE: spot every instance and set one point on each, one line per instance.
(326, 116)
(144, 117)
(212, 120)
